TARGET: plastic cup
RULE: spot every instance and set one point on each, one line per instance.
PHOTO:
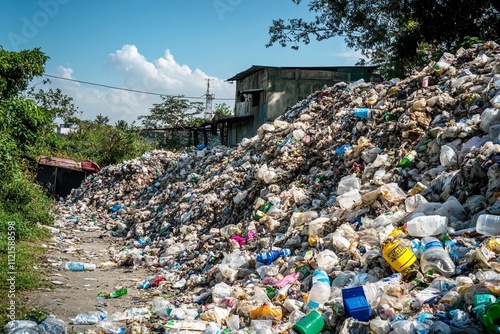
(312, 323)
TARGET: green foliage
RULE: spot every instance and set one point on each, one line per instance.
(17, 69)
(389, 32)
(55, 101)
(103, 143)
(26, 130)
(9, 156)
(470, 41)
(174, 111)
(26, 123)
(223, 109)
(196, 122)
(20, 196)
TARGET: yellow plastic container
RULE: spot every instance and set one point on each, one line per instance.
(398, 256)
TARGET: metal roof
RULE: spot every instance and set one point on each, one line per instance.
(85, 165)
(256, 68)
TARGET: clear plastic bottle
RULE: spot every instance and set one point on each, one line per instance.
(488, 225)
(426, 226)
(89, 318)
(320, 290)
(344, 279)
(436, 258)
(270, 256)
(79, 266)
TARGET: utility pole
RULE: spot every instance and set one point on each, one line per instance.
(208, 101)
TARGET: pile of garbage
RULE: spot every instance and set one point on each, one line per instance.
(364, 207)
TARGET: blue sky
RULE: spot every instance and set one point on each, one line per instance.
(160, 46)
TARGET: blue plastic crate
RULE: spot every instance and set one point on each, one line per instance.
(355, 303)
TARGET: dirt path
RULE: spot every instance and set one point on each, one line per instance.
(75, 292)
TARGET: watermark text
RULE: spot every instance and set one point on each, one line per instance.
(31, 25)
(223, 6)
(11, 274)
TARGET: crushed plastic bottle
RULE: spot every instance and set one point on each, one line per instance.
(426, 226)
(270, 256)
(89, 318)
(435, 258)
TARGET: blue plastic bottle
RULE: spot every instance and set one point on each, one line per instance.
(270, 256)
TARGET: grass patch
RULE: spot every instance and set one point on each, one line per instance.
(20, 254)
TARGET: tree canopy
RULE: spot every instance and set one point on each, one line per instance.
(17, 69)
(61, 104)
(174, 111)
(223, 109)
(390, 33)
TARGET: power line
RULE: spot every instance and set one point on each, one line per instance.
(132, 90)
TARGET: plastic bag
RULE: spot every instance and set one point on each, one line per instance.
(471, 145)
(89, 318)
(327, 260)
(489, 117)
(448, 157)
(347, 184)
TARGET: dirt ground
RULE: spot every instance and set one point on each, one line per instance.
(75, 292)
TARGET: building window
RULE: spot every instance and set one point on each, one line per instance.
(255, 99)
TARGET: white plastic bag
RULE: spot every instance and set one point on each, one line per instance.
(348, 183)
(489, 117)
(327, 260)
(448, 157)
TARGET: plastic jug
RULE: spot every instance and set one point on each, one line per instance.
(488, 225)
(426, 226)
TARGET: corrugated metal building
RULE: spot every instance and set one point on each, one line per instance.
(265, 92)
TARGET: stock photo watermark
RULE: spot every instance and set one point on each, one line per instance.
(11, 274)
(31, 25)
(223, 6)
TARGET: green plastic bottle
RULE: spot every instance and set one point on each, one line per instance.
(118, 293)
(408, 160)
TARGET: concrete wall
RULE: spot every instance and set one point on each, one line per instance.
(288, 86)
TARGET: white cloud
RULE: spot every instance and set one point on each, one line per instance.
(163, 75)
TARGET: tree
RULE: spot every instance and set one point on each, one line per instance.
(103, 143)
(223, 109)
(174, 111)
(390, 32)
(62, 105)
(122, 125)
(101, 120)
(25, 127)
(17, 69)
